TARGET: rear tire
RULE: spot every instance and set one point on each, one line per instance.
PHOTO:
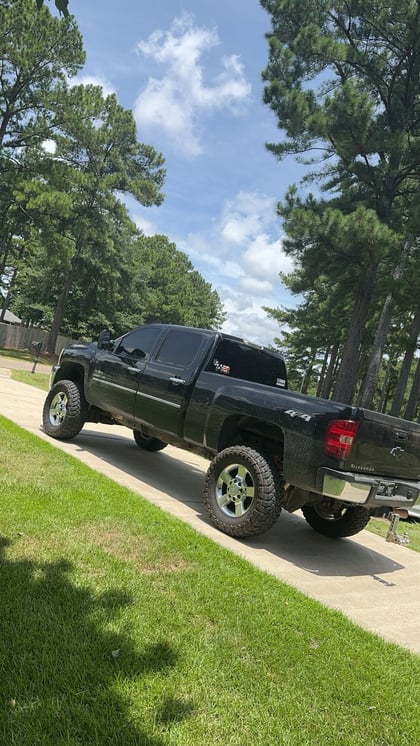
(64, 411)
(331, 518)
(242, 492)
(147, 442)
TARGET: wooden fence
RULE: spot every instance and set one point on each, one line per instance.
(16, 337)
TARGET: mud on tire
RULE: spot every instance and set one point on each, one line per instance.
(242, 492)
(64, 411)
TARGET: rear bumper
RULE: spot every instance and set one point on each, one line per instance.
(370, 491)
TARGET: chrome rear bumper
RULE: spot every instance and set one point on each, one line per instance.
(370, 491)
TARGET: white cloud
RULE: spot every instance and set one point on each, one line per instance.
(50, 146)
(106, 86)
(217, 264)
(241, 255)
(258, 287)
(244, 273)
(147, 226)
(245, 243)
(245, 316)
(175, 102)
(245, 216)
(266, 258)
(251, 323)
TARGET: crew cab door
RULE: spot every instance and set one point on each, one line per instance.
(115, 377)
(167, 379)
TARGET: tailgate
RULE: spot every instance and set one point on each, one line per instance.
(386, 445)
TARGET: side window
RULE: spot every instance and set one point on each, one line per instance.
(139, 343)
(180, 348)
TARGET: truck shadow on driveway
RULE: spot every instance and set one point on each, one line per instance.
(292, 539)
(179, 476)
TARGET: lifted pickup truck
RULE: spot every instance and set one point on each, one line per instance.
(270, 448)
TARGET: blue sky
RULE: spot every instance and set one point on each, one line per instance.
(191, 73)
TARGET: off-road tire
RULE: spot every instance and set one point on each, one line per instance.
(147, 442)
(64, 412)
(242, 492)
(336, 524)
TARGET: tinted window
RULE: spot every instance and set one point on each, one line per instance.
(139, 343)
(180, 348)
(238, 360)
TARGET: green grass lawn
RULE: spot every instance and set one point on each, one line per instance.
(122, 626)
(43, 358)
(17, 354)
(40, 380)
(380, 526)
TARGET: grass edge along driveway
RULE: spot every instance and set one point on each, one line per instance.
(122, 625)
(377, 526)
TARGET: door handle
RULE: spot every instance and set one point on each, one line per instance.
(132, 370)
(177, 381)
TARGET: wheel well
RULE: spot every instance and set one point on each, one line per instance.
(264, 436)
(71, 373)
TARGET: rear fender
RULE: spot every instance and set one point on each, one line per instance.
(265, 437)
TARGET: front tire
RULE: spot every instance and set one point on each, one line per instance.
(242, 492)
(331, 518)
(147, 442)
(64, 412)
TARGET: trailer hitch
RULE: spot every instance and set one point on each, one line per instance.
(392, 535)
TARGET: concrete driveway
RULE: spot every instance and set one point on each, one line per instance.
(374, 583)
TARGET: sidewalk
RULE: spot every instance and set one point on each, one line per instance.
(6, 365)
(374, 583)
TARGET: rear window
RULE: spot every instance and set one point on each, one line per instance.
(237, 360)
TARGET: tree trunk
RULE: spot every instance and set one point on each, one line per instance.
(385, 385)
(410, 411)
(5, 306)
(406, 365)
(4, 252)
(59, 310)
(8, 296)
(328, 382)
(323, 371)
(381, 334)
(349, 368)
(369, 387)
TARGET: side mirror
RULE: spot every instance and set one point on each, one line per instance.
(104, 340)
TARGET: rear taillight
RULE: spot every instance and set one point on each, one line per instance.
(340, 437)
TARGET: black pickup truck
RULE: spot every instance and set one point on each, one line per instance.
(226, 399)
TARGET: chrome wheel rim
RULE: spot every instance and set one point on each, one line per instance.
(235, 490)
(58, 408)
